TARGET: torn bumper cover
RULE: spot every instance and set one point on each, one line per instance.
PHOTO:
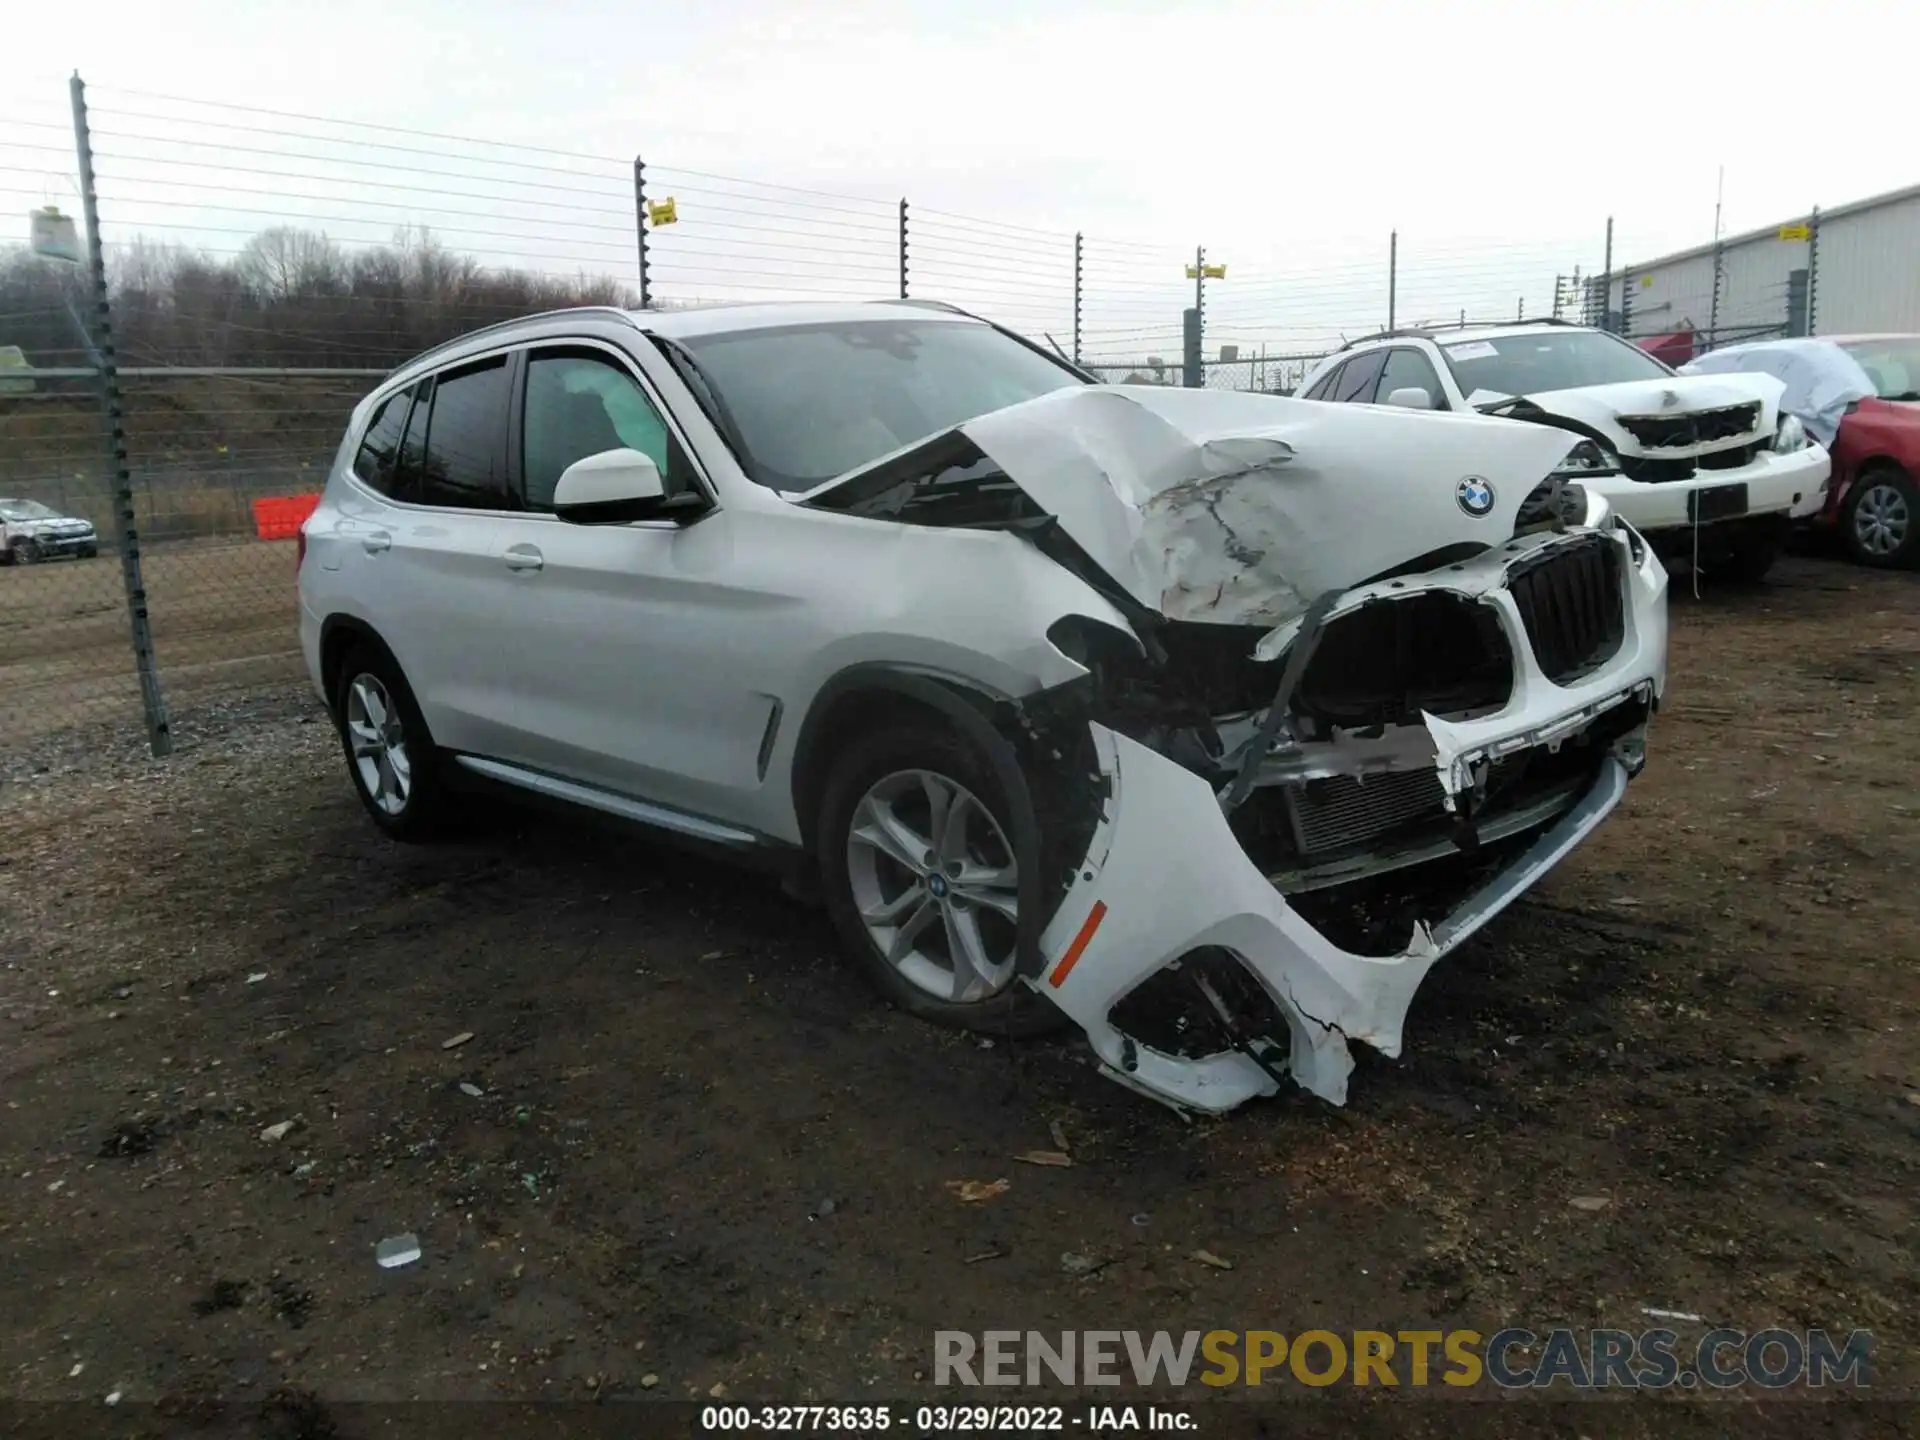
(1202, 970)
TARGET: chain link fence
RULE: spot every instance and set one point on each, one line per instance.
(262, 270)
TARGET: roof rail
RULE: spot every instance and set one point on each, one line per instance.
(1426, 332)
(432, 350)
(944, 305)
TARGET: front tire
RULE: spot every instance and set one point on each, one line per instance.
(1749, 552)
(922, 882)
(25, 552)
(390, 756)
(1880, 521)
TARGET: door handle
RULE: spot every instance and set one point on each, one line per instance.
(524, 557)
(375, 541)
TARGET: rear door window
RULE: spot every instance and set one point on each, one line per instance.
(464, 454)
(1324, 384)
(1360, 378)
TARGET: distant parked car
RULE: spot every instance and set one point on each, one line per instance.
(1708, 469)
(1859, 395)
(30, 531)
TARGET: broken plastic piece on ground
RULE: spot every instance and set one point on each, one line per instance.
(277, 1132)
(1590, 1202)
(1207, 1257)
(455, 1042)
(1659, 1314)
(1044, 1157)
(973, 1192)
(1075, 1264)
(994, 1254)
(397, 1250)
(467, 1087)
(256, 977)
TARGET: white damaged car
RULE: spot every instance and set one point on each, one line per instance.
(1707, 467)
(1210, 721)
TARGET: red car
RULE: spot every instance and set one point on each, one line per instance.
(1859, 395)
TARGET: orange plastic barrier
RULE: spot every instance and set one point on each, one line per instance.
(279, 517)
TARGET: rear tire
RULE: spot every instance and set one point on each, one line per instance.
(916, 869)
(25, 552)
(1880, 521)
(391, 758)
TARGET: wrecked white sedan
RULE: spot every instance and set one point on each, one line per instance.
(1211, 721)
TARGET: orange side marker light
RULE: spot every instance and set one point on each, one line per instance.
(1079, 945)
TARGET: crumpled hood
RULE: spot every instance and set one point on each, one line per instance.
(1600, 406)
(1238, 509)
(1818, 379)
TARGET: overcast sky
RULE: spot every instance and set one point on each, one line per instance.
(1289, 138)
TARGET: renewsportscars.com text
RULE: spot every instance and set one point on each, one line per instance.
(1511, 1358)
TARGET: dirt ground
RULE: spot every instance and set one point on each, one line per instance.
(702, 1153)
(223, 615)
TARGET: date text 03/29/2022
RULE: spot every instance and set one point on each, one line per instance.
(945, 1419)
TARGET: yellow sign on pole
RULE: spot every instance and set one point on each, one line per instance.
(1212, 272)
(662, 212)
(53, 236)
(1796, 232)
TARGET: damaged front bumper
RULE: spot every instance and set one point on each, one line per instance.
(1195, 969)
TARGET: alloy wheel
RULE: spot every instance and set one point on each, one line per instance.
(378, 741)
(935, 884)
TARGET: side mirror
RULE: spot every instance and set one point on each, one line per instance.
(1411, 397)
(614, 487)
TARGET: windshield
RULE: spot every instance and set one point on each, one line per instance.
(809, 402)
(1557, 360)
(1893, 365)
(26, 510)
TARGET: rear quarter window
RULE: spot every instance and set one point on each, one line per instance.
(378, 450)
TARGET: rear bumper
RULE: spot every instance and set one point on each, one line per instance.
(1165, 877)
(1785, 485)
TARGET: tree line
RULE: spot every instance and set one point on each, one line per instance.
(289, 297)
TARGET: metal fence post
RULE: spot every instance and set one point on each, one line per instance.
(640, 226)
(1197, 378)
(1606, 283)
(1393, 274)
(99, 337)
(1626, 302)
(1076, 296)
(1813, 269)
(903, 247)
(1719, 284)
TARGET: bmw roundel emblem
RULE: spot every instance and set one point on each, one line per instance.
(1475, 496)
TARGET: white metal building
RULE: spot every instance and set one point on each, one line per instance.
(1858, 264)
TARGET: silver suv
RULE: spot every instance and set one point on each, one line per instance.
(1208, 722)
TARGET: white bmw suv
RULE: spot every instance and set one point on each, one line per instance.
(1707, 467)
(1208, 721)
